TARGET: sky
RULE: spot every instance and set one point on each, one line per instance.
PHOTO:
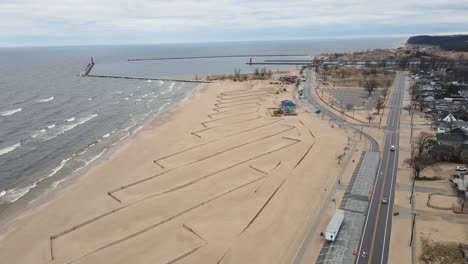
(86, 22)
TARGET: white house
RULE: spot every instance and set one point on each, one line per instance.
(449, 118)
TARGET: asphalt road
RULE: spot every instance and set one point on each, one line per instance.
(309, 88)
(374, 244)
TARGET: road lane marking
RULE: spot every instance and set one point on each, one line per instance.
(390, 199)
(380, 205)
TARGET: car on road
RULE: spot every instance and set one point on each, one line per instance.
(384, 200)
(460, 168)
(392, 148)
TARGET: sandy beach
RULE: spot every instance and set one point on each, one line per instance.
(222, 181)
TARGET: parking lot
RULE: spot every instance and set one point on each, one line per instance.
(357, 97)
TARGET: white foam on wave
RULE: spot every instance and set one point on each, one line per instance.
(137, 129)
(58, 168)
(51, 126)
(56, 183)
(171, 87)
(9, 149)
(149, 81)
(55, 130)
(126, 98)
(106, 135)
(162, 107)
(91, 160)
(144, 96)
(10, 112)
(138, 100)
(46, 100)
(12, 195)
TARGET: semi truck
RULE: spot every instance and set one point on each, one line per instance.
(334, 226)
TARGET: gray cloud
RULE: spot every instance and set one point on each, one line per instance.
(178, 20)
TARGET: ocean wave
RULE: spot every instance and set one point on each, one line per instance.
(149, 81)
(56, 183)
(56, 130)
(171, 87)
(106, 135)
(144, 96)
(58, 168)
(162, 107)
(51, 126)
(10, 112)
(12, 195)
(137, 129)
(86, 119)
(9, 149)
(91, 160)
(46, 100)
(138, 100)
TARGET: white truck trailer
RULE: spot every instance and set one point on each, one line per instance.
(334, 226)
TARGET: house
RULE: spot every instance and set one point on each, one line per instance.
(449, 140)
(449, 118)
(441, 152)
(461, 124)
(429, 98)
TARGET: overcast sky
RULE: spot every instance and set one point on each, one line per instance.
(64, 22)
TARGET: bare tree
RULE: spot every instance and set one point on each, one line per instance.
(379, 104)
(424, 141)
(370, 85)
(349, 107)
(369, 117)
(388, 83)
(408, 108)
(419, 163)
(385, 92)
(364, 74)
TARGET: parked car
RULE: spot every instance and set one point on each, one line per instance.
(460, 168)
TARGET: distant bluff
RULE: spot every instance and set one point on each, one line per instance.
(449, 43)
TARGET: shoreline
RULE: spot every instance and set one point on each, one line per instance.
(49, 193)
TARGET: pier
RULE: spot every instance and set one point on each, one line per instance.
(220, 56)
(90, 66)
(145, 78)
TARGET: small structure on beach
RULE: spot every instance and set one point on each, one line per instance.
(286, 107)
